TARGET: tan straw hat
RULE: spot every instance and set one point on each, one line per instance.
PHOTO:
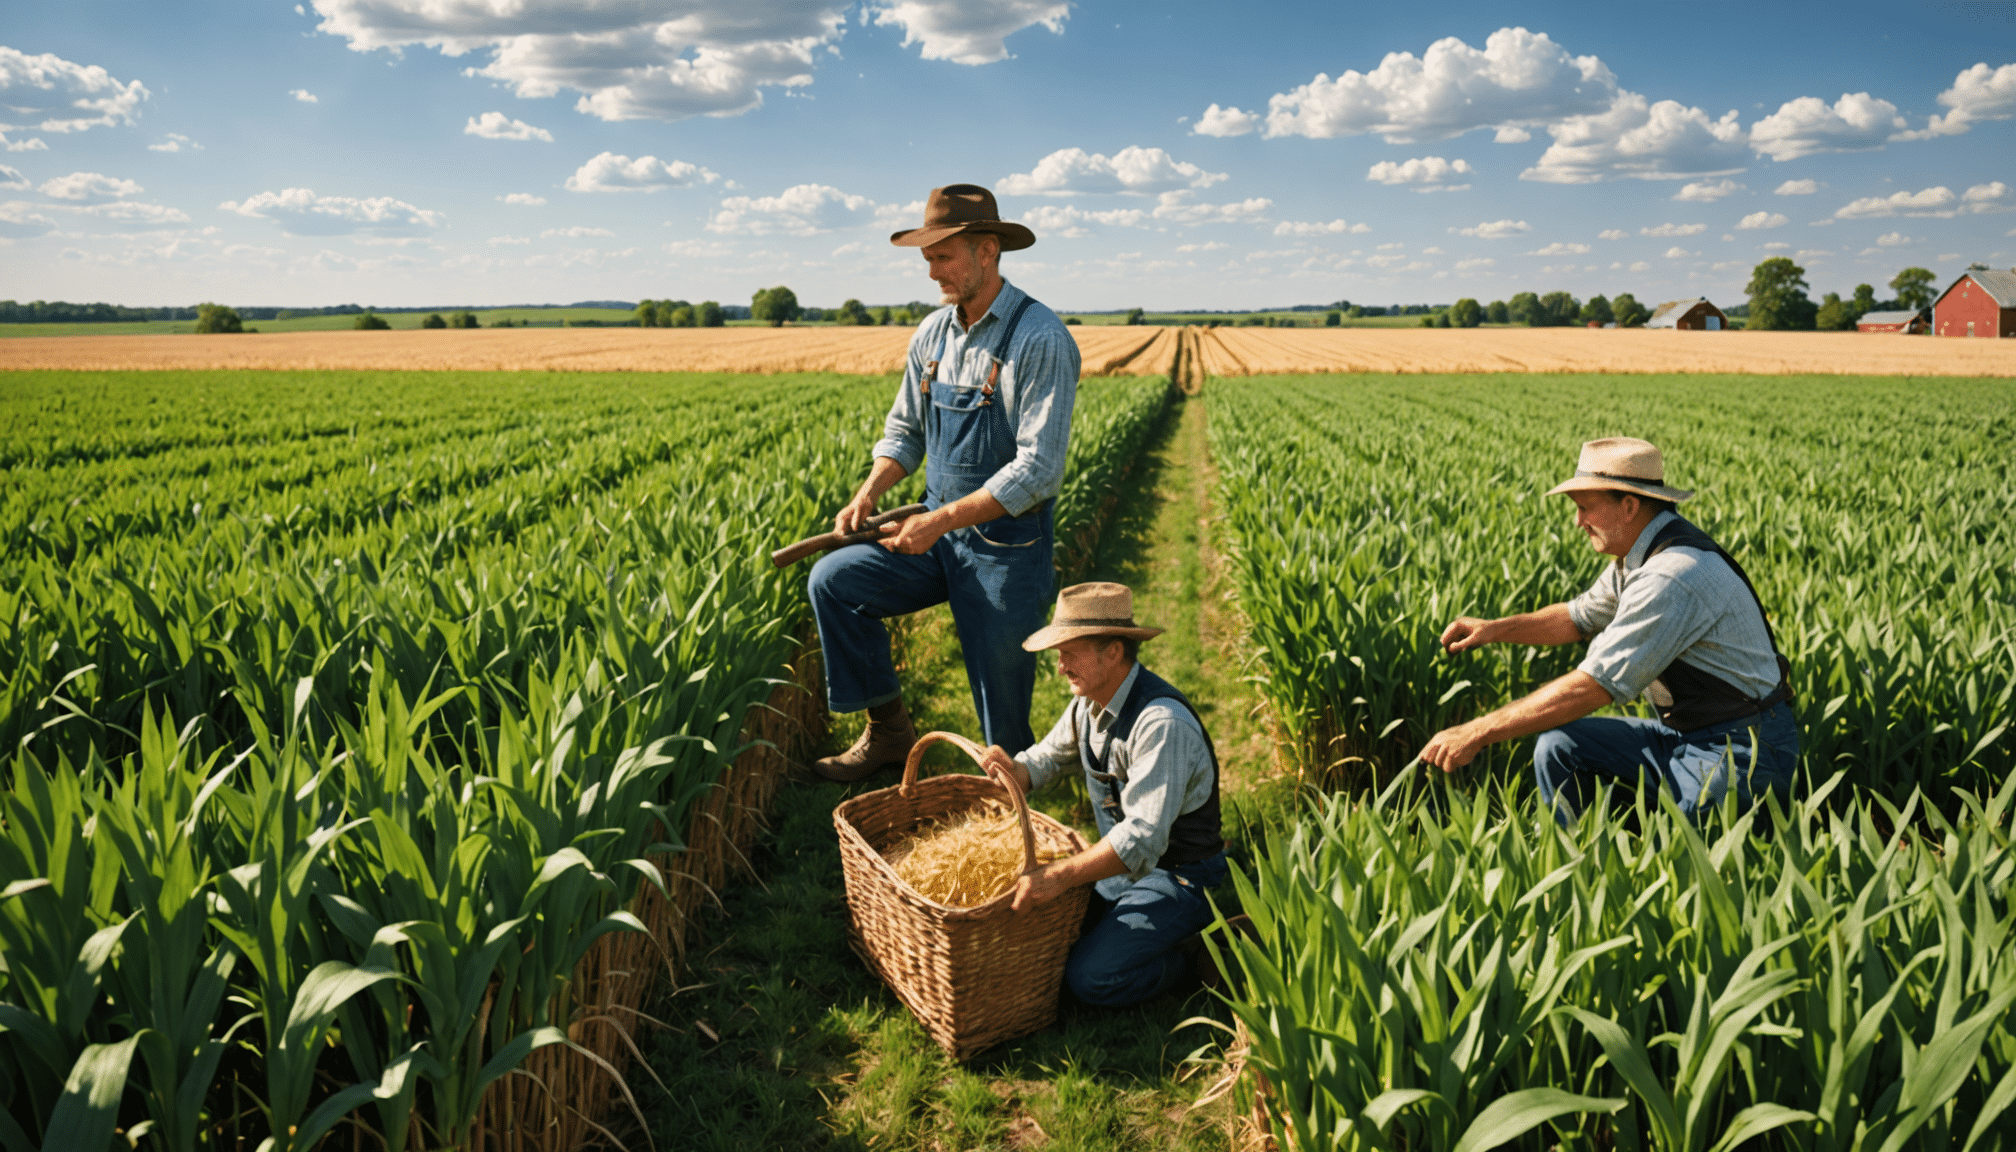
(1091, 610)
(1621, 464)
(959, 208)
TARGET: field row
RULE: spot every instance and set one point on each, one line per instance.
(1107, 350)
(348, 714)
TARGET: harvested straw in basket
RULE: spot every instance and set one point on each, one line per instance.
(975, 975)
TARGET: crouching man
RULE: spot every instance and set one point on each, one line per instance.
(1152, 775)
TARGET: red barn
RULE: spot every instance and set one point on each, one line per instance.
(1906, 321)
(1696, 315)
(1980, 303)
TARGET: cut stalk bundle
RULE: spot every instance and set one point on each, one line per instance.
(966, 859)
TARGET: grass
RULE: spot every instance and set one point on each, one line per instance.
(804, 1048)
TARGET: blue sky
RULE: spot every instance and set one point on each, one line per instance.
(446, 152)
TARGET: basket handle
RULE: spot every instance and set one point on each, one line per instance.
(1006, 782)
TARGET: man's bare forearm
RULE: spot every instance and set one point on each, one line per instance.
(884, 475)
(1553, 704)
(1549, 626)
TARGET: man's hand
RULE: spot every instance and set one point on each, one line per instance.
(997, 759)
(1041, 886)
(857, 511)
(1467, 632)
(915, 536)
(1452, 748)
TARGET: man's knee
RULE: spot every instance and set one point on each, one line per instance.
(1094, 980)
(827, 575)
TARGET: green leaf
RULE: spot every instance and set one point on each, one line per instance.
(1756, 1120)
(89, 1107)
(1510, 1117)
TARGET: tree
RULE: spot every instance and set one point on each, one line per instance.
(1524, 309)
(710, 315)
(1834, 316)
(1628, 312)
(369, 322)
(1071, 322)
(1134, 316)
(500, 322)
(1442, 319)
(463, 320)
(1777, 292)
(854, 313)
(680, 317)
(1598, 311)
(1333, 318)
(211, 318)
(1559, 309)
(433, 320)
(1913, 287)
(1355, 312)
(1496, 312)
(647, 314)
(774, 306)
(879, 315)
(1865, 300)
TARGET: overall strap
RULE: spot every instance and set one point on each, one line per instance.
(1681, 533)
(1004, 345)
(1149, 688)
(1704, 698)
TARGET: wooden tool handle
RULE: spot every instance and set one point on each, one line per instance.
(827, 541)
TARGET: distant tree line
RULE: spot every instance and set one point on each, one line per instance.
(1778, 300)
(679, 314)
(63, 312)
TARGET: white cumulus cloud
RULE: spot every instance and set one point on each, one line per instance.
(1518, 77)
(1071, 221)
(52, 94)
(1427, 173)
(88, 186)
(1227, 121)
(1759, 220)
(523, 199)
(20, 220)
(304, 96)
(1612, 234)
(1559, 248)
(801, 210)
(1494, 229)
(1474, 263)
(1673, 230)
(11, 179)
(497, 126)
(1797, 188)
(1182, 207)
(300, 212)
(175, 143)
(1510, 134)
(1857, 122)
(1978, 93)
(1069, 171)
(610, 172)
(1676, 252)
(1707, 191)
(1935, 201)
(969, 31)
(1893, 240)
(1331, 228)
(1636, 139)
(31, 144)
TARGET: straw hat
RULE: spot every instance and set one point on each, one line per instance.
(959, 208)
(1091, 610)
(1621, 464)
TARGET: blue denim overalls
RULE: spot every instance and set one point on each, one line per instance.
(997, 575)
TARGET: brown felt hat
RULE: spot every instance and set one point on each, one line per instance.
(1090, 610)
(957, 208)
(1621, 464)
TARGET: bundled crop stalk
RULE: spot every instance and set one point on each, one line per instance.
(965, 861)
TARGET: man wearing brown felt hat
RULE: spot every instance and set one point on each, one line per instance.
(1673, 617)
(985, 407)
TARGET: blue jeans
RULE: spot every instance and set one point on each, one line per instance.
(1127, 953)
(1755, 753)
(998, 579)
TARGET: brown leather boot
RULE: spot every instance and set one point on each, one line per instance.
(885, 743)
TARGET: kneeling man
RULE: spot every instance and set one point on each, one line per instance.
(1673, 617)
(1152, 775)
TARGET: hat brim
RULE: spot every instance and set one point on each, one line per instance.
(1054, 635)
(1014, 237)
(1605, 483)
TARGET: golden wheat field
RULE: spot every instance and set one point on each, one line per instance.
(1106, 351)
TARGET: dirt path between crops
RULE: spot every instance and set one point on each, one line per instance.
(791, 1043)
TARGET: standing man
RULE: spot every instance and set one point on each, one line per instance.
(986, 407)
(1673, 617)
(1152, 775)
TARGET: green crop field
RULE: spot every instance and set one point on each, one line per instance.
(346, 712)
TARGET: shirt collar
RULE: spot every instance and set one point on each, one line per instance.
(1004, 302)
(1635, 558)
(1101, 717)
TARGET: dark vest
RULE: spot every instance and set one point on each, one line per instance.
(1195, 835)
(1689, 699)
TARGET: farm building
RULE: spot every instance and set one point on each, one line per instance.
(1980, 303)
(1907, 322)
(1696, 315)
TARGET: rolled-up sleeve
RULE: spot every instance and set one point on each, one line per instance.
(1055, 753)
(1656, 619)
(1592, 611)
(1167, 758)
(1046, 389)
(903, 430)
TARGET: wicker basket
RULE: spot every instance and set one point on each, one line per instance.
(974, 976)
